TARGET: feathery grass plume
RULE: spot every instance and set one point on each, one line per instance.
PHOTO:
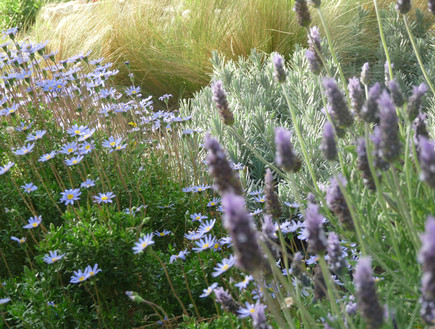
(368, 302)
(298, 269)
(427, 161)
(226, 179)
(396, 93)
(341, 116)
(278, 68)
(370, 110)
(414, 102)
(259, 317)
(426, 257)
(365, 74)
(227, 301)
(241, 228)
(328, 146)
(220, 98)
(337, 204)
(390, 141)
(431, 6)
(319, 284)
(403, 6)
(336, 261)
(356, 95)
(314, 226)
(420, 129)
(273, 206)
(286, 157)
(363, 164)
(302, 13)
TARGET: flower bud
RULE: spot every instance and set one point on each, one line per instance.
(302, 14)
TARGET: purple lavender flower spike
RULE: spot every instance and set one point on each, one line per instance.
(336, 261)
(378, 161)
(396, 93)
(328, 146)
(302, 14)
(420, 129)
(220, 98)
(355, 95)
(227, 301)
(337, 203)
(403, 6)
(259, 317)
(314, 64)
(426, 257)
(431, 6)
(365, 74)
(427, 161)
(242, 230)
(226, 179)
(278, 68)
(286, 157)
(363, 164)
(319, 284)
(390, 142)
(340, 114)
(368, 302)
(414, 102)
(273, 206)
(370, 111)
(314, 227)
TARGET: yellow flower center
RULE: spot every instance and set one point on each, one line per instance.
(77, 132)
(212, 203)
(113, 144)
(144, 245)
(54, 259)
(87, 147)
(252, 310)
(199, 189)
(91, 273)
(82, 278)
(11, 111)
(225, 267)
(70, 196)
(70, 150)
(198, 217)
(133, 91)
(216, 245)
(74, 161)
(162, 234)
(59, 86)
(48, 157)
(104, 198)
(35, 224)
(205, 246)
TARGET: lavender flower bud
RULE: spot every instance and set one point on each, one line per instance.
(420, 129)
(396, 93)
(328, 145)
(403, 6)
(314, 39)
(285, 155)
(337, 204)
(378, 162)
(336, 260)
(242, 230)
(226, 179)
(368, 302)
(390, 141)
(220, 98)
(302, 13)
(273, 206)
(355, 95)
(314, 227)
(278, 68)
(319, 284)
(426, 257)
(414, 102)
(427, 161)
(387, 76)
(370, 110)
(227, 301)
(259, 317)
(431, 6)
(315, 3)
(365, 74)
(313, 62)
(340, 113)
(311, 198)
(363, 164)
(298, 269)
(269, 236)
